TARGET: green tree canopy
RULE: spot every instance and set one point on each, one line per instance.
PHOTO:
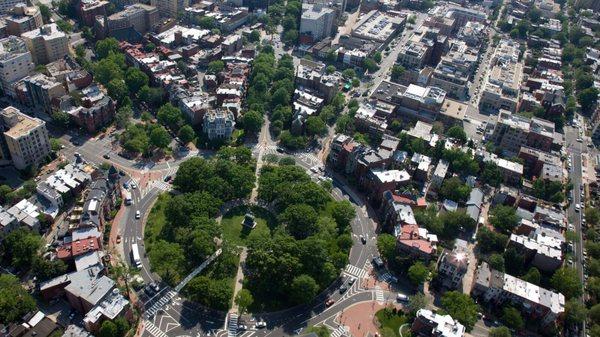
(500, 332)
(455, 190)
(504, 218)
(512, 318)
(215, 67)
(106, 46)
(186, 134)
(461, 307)
(15, 301)
(244, 300)
(303, 289)
(160, 138)
(123, 116)
(252, 121)
(457, 133)
(566, 281)
(135, 80)
(315, 126)
(418, 273)
(300, 220)
(170, 116)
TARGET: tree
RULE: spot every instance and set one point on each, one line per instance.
(593, 313)
(397, 72)
(417, 302)
(587, 98)
(167, 260)
(504, 218)
(319, 330)
(252, 121)
(117, 89)
(108, 329)
(533, 276)
(186, 134)
(45, 12)
(496, 261)
(123, 116)
(461, 307)
(149, 47)
(4, 191)
(135, 80)
(418, 273)
(501, 331)
(455, 190)
(254, 36)
(244, 300)
(370, 65)
(349, 73)
(303, 289)
(15, 301)
(290, 37)
(46, 269)
(566, 281)
(106, 70)
(300, 220)
(153, 96)
(377, 57)
(592, 216)
(330, 69)
(61, 118)
(207, 22)
(491, 174)
(215, 67)
(64, 26)
(386, 244)
(457, 133)
(280, 97)
(159, 137)
(315, 126)
(342, 212)
(20, 247)
(214, 293)
(106, 46)
(170, 116)
(575, 312)
(512, 318)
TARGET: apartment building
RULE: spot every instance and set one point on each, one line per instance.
(454, 70)
(170, 8)
(501, 90)
(311, 75)
(541, 251)
(498, 288)
(316, 22)
(43, 90)
(89, 9)
(7, 5)
(218, 124)
(46, 44)
(140, 17)
(25, 140)
(512, 131)
(420, 103)
(425, 47)
(15, 63)
(23, 19)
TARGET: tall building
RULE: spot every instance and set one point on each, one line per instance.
(42, 90)
(139, 16)
(25, 138)
(7, 5)
(15, 63)
(316, 22)
(23, 19)
(170, 8)
(46, 44)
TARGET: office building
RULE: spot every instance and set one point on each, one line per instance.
(140, 17)
(46, 44)
(15, 63)
(25, 140)
(454, 70)
(316, 23)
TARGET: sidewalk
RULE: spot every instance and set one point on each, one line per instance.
(239, 280)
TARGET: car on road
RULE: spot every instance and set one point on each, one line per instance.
(280, 150)
(577, 207)
(76, 154)
(137, 214)
(242, 327)
(363, 240)
(121, 173)
(106, 156)
(260, 325)
(133, 185)
(329, 302)
(351, 280)
(167, 179)
(118, 238)
(401, 298)
(343, 288)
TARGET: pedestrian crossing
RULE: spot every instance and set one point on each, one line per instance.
(355, 271)
(161, 302)
(379, 297)
(310, 159)
(341, 330)
(385, 277)
(153, 329)
(161, 185)
(232, 325)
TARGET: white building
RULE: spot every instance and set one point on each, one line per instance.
(46, 44)
(317, 20)
(25, 138)
(15, 63)
(428, 323)
(218, 124)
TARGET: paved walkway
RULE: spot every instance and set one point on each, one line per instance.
(360, 318)
(239, 280)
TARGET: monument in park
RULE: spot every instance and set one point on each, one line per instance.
(249, 220)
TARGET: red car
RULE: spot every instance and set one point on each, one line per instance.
(329, 302)
(118, 238)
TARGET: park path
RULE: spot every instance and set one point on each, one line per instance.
(239, 280)
(264, 140)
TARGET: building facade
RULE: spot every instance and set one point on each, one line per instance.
(15, 63)
(26, 138)
(46, 44)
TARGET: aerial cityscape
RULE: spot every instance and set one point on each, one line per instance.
(316, 168)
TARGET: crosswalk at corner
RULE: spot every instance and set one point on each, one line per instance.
(355, 271)
(340, 331)
(153, 329)
(379, 297)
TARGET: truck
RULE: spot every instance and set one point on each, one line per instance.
(135, 256)
(127, 197)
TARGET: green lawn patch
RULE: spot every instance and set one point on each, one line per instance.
(236, 233)
(156, 219)
(390, 321)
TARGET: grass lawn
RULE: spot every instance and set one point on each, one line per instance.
(390, 321)
(236, 233)
(156, 219)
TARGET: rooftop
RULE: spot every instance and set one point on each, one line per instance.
(18, 123)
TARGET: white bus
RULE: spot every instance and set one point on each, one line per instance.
(135, 256)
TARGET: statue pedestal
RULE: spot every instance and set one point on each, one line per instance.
(249, 221)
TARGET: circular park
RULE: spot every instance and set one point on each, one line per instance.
(282, 238)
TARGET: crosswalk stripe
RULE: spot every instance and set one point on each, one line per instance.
(379, 295)
(153, 329)
(355, 271)
(339, 331)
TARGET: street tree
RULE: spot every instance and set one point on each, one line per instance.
(244, 300)
(418, 273)
(300, 220)
(135, 80)
(566, 281)
(215, 67)
(159, 137)
(501, 331)
(168, 261)
(303, 289)
(123, 116)
(186, 134)
(252, 121)
(461, 307)
(106, 46)
(343, 212)
(512, 318)
(575, 312)
(108, 329)
(315, 126)
(117, 89)
(170, 116)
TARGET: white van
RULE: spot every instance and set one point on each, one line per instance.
(402, 298)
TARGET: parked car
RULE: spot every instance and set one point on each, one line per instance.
(329, 302)
(133, 185)
(167, 179)
(378, 262)
(402, 298)
(343, 288)
(351, 280)
(118, 238)
(137, 214)
(106, 156)
(260, 324)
